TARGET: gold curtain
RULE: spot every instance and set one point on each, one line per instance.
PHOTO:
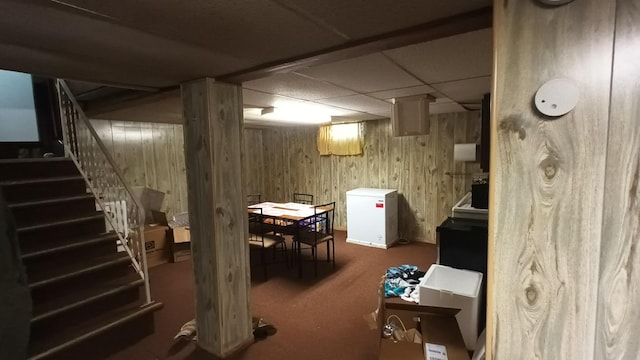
(340, 139)
(324, 140)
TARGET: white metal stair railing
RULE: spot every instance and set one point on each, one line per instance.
(123, 211)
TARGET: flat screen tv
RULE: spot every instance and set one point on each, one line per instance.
(18, 121)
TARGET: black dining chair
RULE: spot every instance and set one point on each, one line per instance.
(260, 239)
(301, 198)
(316, 230)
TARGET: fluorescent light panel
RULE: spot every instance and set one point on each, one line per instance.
(291, 112)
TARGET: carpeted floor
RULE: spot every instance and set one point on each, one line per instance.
(316, 318)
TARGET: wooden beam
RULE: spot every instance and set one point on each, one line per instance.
(130, 99)
(453, 25)
(618, 318)
(214, 143)
(548, 179)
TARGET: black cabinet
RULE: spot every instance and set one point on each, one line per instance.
(462, 244)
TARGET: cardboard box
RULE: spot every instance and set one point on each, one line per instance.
(150, 199)
(441, 338)
(181, 244)
(439, 328)
(156, 244)
(181, 234)
(158, 217)
(444, 286)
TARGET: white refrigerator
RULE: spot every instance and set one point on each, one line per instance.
(372, 217)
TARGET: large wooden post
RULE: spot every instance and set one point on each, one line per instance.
(618, 317)
(213, 133)
(548, 179)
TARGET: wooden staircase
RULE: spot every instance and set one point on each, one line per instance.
(86, 295)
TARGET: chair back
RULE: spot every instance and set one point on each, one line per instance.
(323, 218)
(301, 198)
(256, 225)
(253, 199)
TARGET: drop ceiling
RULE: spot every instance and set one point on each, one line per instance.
(348, 58)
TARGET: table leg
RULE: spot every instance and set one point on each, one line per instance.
(299, 250)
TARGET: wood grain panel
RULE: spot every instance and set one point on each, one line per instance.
(618, 317)
(119, 146)
(151, 155)
(383, 129)
(444, 163)
(164, 165)
(431, 182)
(274, 165)
(417, 175)
(103, 129)
(395, 181)
(372, 156)
(547, 179)
(325, 179)
(218, 216)
(180, 171)
(148, 157)
(132, 140)
(253, 161)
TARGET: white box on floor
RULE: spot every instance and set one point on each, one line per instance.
(447, 287)
(372, 217)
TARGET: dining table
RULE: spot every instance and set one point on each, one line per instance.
(287, 218)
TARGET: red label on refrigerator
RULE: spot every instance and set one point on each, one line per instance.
(379, 205)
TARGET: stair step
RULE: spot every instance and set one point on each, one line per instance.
(33, 189)
(33, 212)
(75, 335)
(33, 160)
(56, 200)
(68, 271)
(53, 247)
(89, 294)
(63, 222)
(17, 169)
(39, 181)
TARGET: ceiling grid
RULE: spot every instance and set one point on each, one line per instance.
(351, 57)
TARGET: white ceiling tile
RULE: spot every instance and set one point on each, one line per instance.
(408, 91)
(361, 103)
(364, 74)
(296, 86)
(359, 19)
(466, 91)
(452, 58)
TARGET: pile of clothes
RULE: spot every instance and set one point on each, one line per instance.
(402, 281)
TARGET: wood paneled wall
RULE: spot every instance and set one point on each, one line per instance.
(149, 154)
(415, 165)
(564, 280)
(152, 155)
(281, 161)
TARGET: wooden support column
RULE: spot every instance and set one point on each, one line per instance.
(548, 180)
(213, 134)
(618, 317)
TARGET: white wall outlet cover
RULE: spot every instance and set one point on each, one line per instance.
(555, 2)
(557, 97)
